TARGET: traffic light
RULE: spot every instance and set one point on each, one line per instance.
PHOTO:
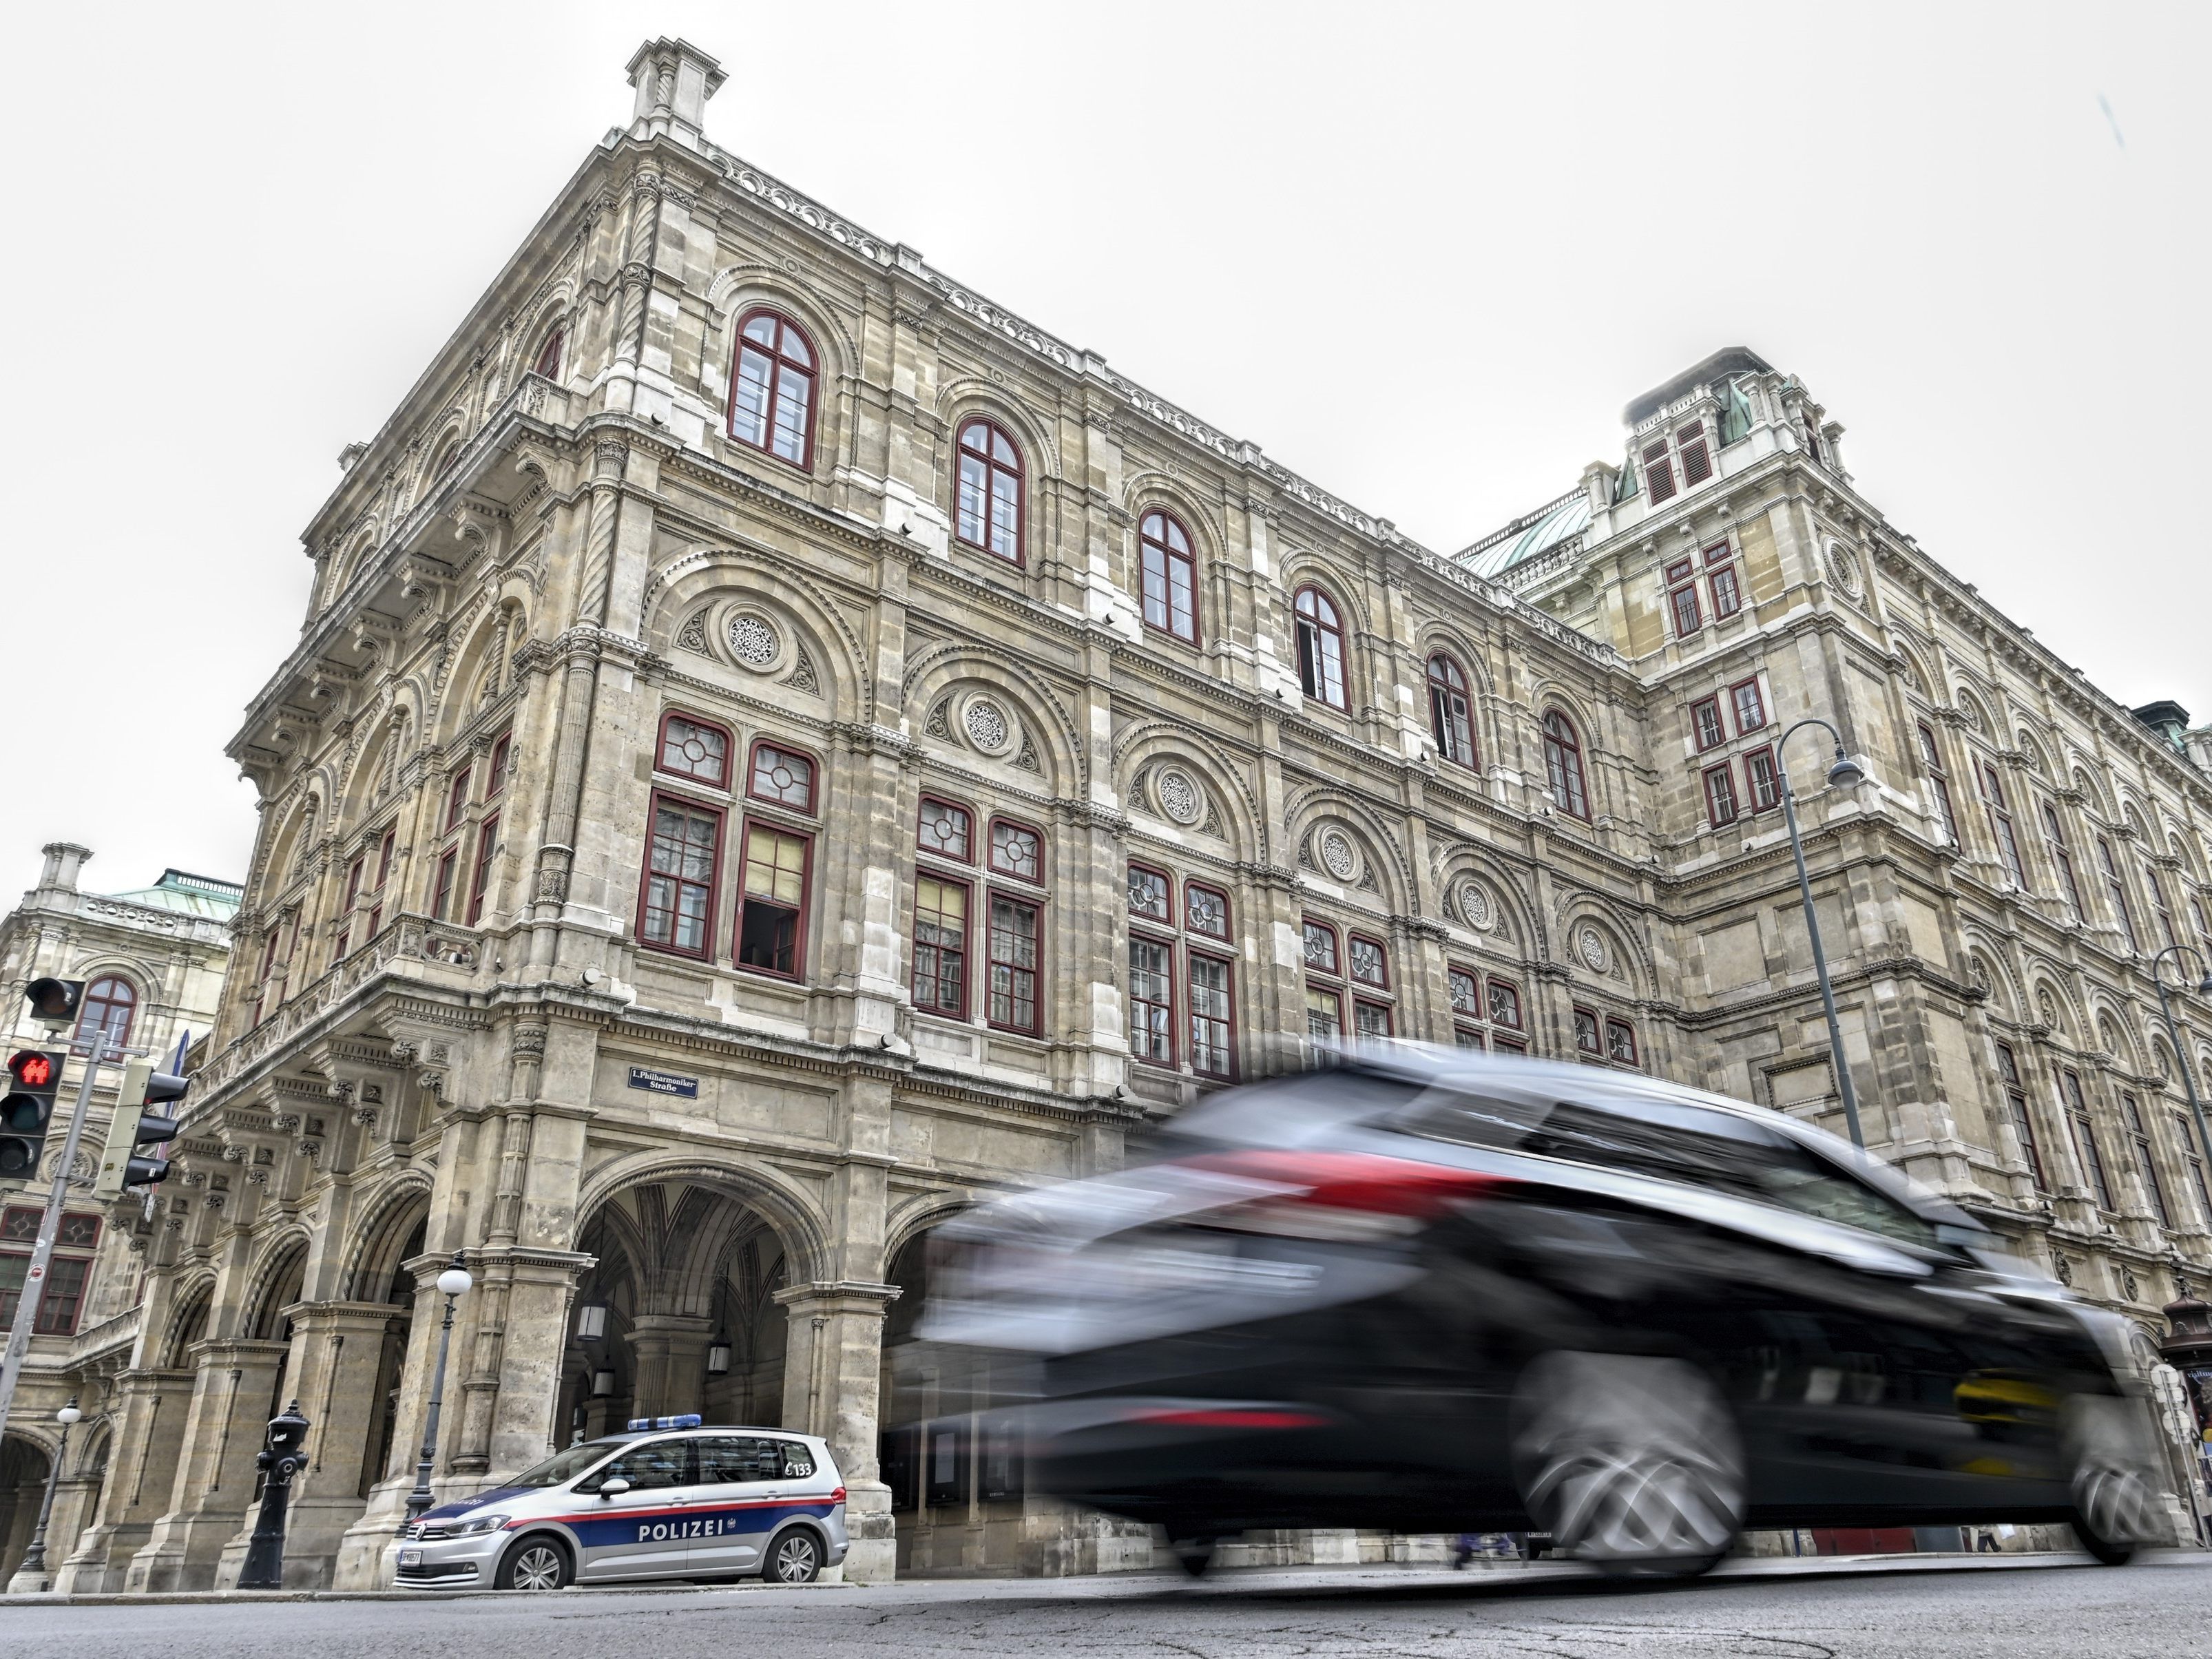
(54, 1001)
(34, 1077)
(122, 1165)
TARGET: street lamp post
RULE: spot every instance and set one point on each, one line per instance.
(31, 1577)
(2180, 1049)
(1845, 771)
(452, 1282)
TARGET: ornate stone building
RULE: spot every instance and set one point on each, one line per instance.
(781, 747)
(152, 961)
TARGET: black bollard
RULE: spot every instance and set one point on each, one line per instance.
(283, 1456)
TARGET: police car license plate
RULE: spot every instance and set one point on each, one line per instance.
(411, 1558)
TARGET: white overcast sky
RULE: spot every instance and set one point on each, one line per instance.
(1422, 254)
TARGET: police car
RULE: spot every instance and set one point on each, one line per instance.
(671, 1498)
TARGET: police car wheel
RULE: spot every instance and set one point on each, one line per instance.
(796, 1558)
(534, 1563)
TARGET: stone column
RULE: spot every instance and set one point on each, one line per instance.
(149, 1408)
(338, 1348)
(519, 1388)
(832, 1374)
(214, 1471)
(668, 1356)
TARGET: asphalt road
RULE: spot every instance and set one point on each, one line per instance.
(2015, 1609)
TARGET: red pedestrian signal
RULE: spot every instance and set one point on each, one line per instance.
(34, 1075)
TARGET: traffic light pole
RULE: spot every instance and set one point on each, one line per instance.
(34, 1278)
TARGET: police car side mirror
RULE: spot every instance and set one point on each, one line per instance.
(614, 1488)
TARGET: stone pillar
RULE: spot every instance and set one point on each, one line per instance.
(149, 1408)
(832, 1374)
(362, 1551)
(668, 1356)
(338, 1348)
(214, 1479)
(518, 1387)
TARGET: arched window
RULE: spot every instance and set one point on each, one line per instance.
(549, 354)
(1563, 765)
(1451, 718)
(1170, 576)
(110, 1004)
(1321, 646)
(772, 388)
(990, 490)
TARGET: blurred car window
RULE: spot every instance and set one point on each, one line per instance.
(1294, 1111)
(1718, 1152)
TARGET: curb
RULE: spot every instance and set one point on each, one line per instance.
(232, 1598)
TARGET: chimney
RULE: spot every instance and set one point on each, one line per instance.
(674, 80)
(64, 860)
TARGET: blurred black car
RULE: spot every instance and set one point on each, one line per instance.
(1436, 1292)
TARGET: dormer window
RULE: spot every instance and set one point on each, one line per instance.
(1684, 447)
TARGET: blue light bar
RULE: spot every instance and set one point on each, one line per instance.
(688, 1420)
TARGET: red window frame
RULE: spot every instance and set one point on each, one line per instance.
(1700, 725)
(1762, 779)
(442, 898)
(2116, 887)
(1227, 1072)
(1682, 604)
(457, 797)
(705, 952)
(796, 950)
(993, 962)
(480, 879)
(932, 1002)
(1563, 765)
(1352, 941)
(2001, 823)
(1318, 621)
(1615, 1027)
(1658, 473)
(1589, 1032)
(1363, 1010)
(1334, 998)
(61, 1297)
(1465, 1036)
(2015, 1094)
(1152, 1019)
(1757, 721)
(1690, 447)
(1451, 712)
(1164, 916)
(1164, 551)
(495, 773)
(1514, 1017)
(105, 1003)
(967, 816)
(790, 751)
(785, 374)
(1190, 888)
(1454, 978)
(668, 717)
(1505, 1045)
(1721, 807)
(547, 362)
(978, 465)
(1031, 829)
(1334, 966)
(1721, 580)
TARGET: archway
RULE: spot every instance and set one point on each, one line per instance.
(394, 1286)
(23, 1467)
(678, 1312)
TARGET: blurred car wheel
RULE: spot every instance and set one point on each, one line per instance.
(1631, 1464)
(2116, 1488)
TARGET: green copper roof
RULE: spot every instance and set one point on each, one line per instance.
(189, 895)
(1525, 537)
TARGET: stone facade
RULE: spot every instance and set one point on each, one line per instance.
(154, 959)
(782, 748)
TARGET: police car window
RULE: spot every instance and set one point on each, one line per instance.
(798, 1461)
(563, 1466)
(662, 1463)
(725, 1457)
